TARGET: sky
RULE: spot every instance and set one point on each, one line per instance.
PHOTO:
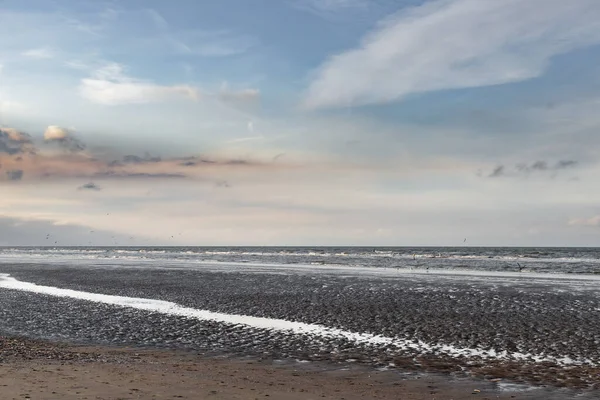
(300, 122)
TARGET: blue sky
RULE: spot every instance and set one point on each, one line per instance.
(359, 122)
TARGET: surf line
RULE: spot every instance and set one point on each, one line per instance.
(280, 325)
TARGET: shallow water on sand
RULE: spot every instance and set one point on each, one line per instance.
(540, 260)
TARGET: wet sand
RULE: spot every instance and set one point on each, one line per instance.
(455, 333)
(43, 370)
(535, 329)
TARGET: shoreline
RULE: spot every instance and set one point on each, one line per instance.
(41, 369)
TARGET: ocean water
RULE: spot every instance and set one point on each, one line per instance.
(531, 260)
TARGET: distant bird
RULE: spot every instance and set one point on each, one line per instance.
(464, 241)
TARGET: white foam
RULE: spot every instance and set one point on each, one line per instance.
(169, 308)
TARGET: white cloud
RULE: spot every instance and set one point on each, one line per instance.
(40, 53)
(55, 133)
(110, 86)
(447, 44)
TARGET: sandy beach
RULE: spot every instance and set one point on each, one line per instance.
(44, 370)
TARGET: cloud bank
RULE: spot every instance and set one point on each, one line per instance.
(110, 86)
(23, 160)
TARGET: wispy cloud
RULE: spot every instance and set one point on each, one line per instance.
(40, 53)
(448, 44)
(110, 86)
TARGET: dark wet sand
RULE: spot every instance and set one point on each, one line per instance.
(44, 370)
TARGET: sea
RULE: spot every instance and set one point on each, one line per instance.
(567, 260)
